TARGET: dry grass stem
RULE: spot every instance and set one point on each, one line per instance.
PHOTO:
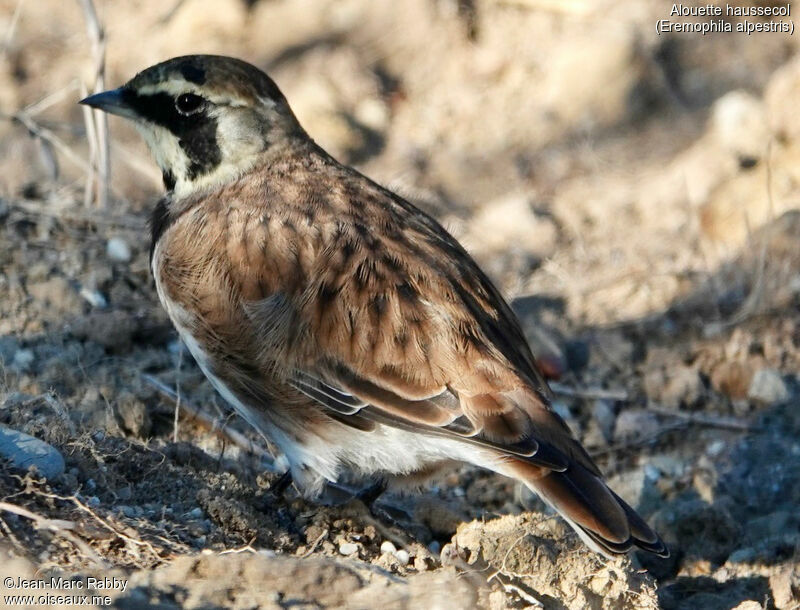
(588, 392)
(103, 158)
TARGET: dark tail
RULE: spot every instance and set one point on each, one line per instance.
(600, 517)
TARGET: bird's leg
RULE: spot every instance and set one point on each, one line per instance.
(369, 495)
(282, 484)
(390, 514)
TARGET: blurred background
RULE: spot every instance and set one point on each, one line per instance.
(635, 195)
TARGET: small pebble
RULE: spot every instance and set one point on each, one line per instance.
(94, 297)
(93, 502)
(348, 548)
(652, 473)
(196, 513)
(434, 547)
(388, 547)
(117, 250)
(606, 418)
(402, 557)
(23, 360)
(768, 387)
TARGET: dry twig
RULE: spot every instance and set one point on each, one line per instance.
(639, 441)
(12, 26)
(100, 121)
(705, 419)
(58, 526)
(588, 392)
(314, 544)
(48, 136)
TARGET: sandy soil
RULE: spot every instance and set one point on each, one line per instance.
(636, 197)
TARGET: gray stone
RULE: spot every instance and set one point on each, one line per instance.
(402, 557)
(8, 348)
(635, 423)
(785, 587)
(348, 548)
(23, 360)
(24, 451)
(606, 418)
(118, 250)
(134, 415)
(768, 387)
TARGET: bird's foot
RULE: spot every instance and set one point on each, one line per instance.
(279, 487)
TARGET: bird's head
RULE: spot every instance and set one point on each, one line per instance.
(207, 119)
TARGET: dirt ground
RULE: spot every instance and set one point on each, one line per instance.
(636, 196)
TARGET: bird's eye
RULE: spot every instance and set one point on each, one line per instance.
(188, 103)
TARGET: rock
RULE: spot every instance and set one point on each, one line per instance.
(739, 125)
(545, 562)
(591, 77)
(388, 547)
(731, 378)
(24, 451)
(126, 511)
(605, 416)
(611, 347)
(785, 587)
(348, 548)
(577, 354)
(669, 465)
(118, 250)
(94, 297)
(635, 423)
(748, 605)
(510, 223)
(784, 85)
(23, 360)
(8, 348)
(767, 387)
(675, 387)
(402, 557)
(134, 415)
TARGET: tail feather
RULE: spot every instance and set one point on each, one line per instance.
(602, 519)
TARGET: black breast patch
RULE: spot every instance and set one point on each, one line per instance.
(160, 220)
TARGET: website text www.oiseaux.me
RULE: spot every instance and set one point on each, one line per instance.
(59, 591)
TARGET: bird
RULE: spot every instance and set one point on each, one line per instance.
(347, 326)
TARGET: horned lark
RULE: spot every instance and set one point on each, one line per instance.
(342, 322)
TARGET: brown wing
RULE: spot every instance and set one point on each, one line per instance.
(405, 330)
(402, 327)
